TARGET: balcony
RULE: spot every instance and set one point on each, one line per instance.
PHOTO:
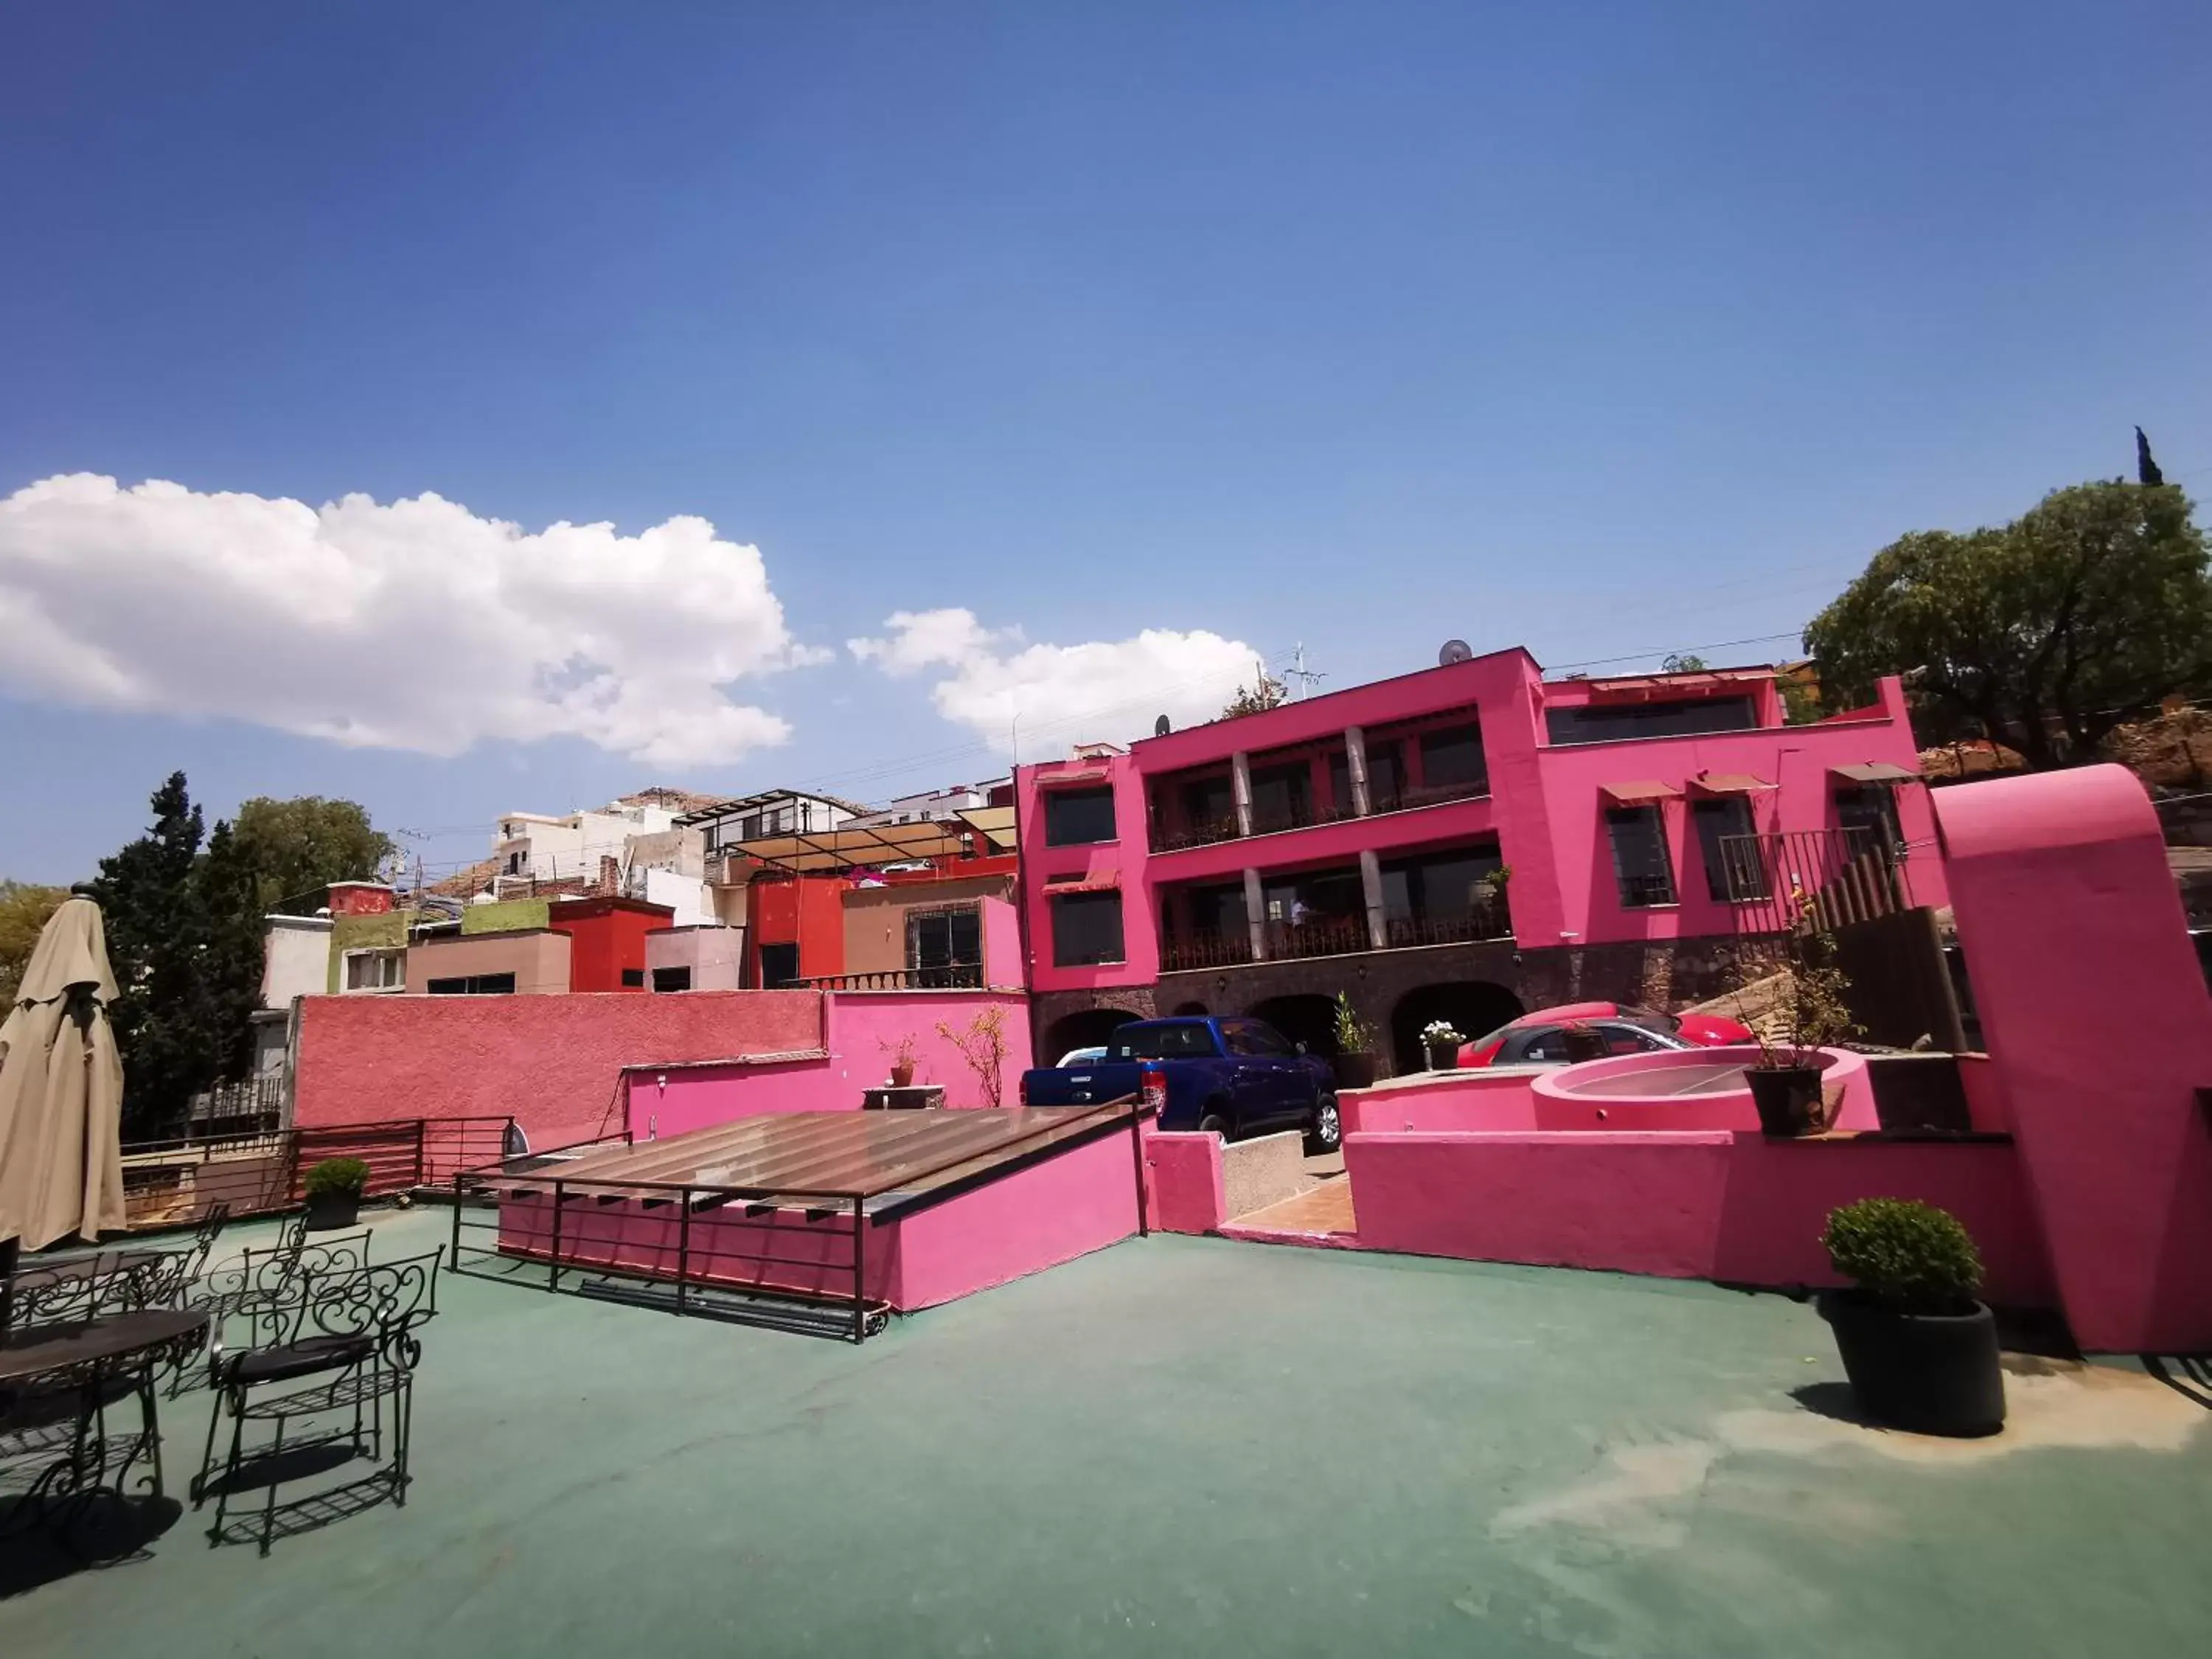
(1334, 936)
(950, 976)
(1210, 832)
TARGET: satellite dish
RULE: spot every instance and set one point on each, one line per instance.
(1454, 651)
(1160, 727)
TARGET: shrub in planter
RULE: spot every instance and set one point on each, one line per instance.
(1921, 1352)
(1807, 1015)
(1355, 1046)
(902, 1054)
(334, 1188)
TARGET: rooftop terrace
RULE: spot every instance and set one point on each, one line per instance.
(1185, 1445)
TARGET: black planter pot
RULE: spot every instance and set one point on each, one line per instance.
(331, 1209)
(1789, 1099)
(1929, 1373)
(1442, 1056)
(1354, 1071)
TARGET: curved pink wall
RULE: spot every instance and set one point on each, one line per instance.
(2098, 1025)
(1559, 1106)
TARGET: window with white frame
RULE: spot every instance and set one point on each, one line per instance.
(379, 969)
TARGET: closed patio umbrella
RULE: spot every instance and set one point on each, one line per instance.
(61, 1090)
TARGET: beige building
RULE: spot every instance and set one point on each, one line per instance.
(530, 962)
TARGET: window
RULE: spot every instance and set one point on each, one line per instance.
(633, 979)
(1604, 722)
(748, 827)
(1163, 1042)
(1086, 928)
(1441, 887)
(779, 966)
(671, 979)
(1073, 818)
(1250, 1037)
(1871, 810)
(1282, 797)
(1639, 856)
(1209, 808)
(945, 948)
(1734, 870)
(1385, 777)
(375, 971)
(475, 985)
(1627, 1039)
(514, 864)
(1452, 758)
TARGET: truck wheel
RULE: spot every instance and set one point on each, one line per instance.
(1327, 1133)
(1214, 1123)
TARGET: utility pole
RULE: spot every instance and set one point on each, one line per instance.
(1298, 670)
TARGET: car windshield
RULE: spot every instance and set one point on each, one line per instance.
(1652, 1020)
(1160, 1042)
(1498, 1035)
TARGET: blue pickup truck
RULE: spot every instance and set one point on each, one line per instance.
(1236, 1077)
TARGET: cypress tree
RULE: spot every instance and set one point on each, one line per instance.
(2147, 470)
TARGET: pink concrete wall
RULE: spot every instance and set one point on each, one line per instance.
(858, 1025)
(553, 1062)
(1122, 859)
(1002, 945)
(1480, 1099)
(1185, 1191)
(1690, 1204)
(1559, 1103)
(2095, 1013)
(1079, 1199)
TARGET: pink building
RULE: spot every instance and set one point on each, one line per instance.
(1460, 843)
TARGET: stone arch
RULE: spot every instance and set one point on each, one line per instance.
(1475, 1007)
(1191, 1011)
(1307, 1017)
(1086, 1028)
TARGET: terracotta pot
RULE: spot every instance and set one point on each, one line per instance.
(902, 1074)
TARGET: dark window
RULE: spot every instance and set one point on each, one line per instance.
(1627, 1039)
(474, 985)
(1603, 722)
(1075, 817)
(1086, 928)
(1551, 1043)
(1639, 855)
(1159, 1041)
(1870, 809)
(1452, 758)
(633, 977)
(1209, 808)
(1734, 870)
(671, 979)
(1442, 887)
(1250, 1037)
(1385, 777)
(945, 948)
(779, 966)
(1282, 797)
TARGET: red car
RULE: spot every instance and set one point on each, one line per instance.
(1537, 1039)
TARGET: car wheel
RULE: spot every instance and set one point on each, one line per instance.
(1327, 1133)
(1214, 1123)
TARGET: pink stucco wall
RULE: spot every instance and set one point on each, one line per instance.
(1562, 1103)
(1544, 808)
(1080, 1199)
(858, 1025)
(1480, 1099)
(1690, 1204)
(1185, 1191)
(553, 1062)
(2096, 1016)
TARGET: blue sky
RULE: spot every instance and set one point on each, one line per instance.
(1604, 330)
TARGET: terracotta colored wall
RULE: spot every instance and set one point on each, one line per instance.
(1691, 1204)
(875, 918)
(860, 1026)
(554, 1062)
(540, 962)
(2096, 1016)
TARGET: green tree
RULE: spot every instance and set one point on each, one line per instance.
(299, 847)
(2044, 632)
(184, 938)
(24, 909)
(1682, 665)
(1264, 693)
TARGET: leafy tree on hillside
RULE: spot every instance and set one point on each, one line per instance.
(300, 845)
(1264, 693)
(2093, 604)
(24, 910)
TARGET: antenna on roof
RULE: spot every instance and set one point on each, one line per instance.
(1161, 726)
(1454, 651)
(1298, 670)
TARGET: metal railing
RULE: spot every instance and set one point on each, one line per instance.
(953, 976)
(1209, 950)
(1166, 838)
(728, 1270)
(1811, 879)
(1335, 936)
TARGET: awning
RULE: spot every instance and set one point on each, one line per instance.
(1103, 881)
(1875, 772)
(1647, 794)
(994, 823)
(1730, 783)
(866, 847)
(1070, 780)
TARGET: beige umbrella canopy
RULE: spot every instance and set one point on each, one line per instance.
(61, 1089)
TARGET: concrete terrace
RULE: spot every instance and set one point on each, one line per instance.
(1194, 1446)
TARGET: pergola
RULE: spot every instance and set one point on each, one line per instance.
(983, 830)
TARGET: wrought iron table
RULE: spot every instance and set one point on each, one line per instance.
(58, 1375)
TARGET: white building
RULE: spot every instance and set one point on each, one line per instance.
(940, 806)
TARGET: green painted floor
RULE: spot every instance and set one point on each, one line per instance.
(1190, 1446)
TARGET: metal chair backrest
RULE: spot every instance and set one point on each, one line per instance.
(386, 1301)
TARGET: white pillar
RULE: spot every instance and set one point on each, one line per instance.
(1370, 888)
(1240, 791)
(1255, 915)
(1355, 765)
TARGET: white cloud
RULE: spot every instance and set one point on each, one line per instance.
(1108, 690)
(417, 625)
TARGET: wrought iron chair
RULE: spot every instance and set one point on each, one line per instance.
(341, 1341)
(254, 1288)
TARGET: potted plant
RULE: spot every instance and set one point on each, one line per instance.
(334, 1188)
(902, 1054)
(1808, 1013)
(1920, 1350)
(1581, 1041)
(1442, 1040)
(1355, 1046)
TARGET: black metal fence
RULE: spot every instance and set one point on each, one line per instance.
(1810, 878)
